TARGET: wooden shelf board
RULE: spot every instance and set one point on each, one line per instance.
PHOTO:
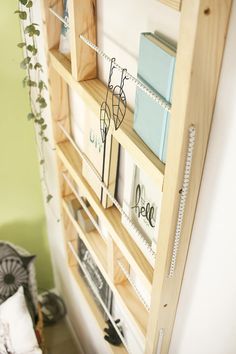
(174, 4)
(136, 308)
(111, 216)
(92, 240)
(94, 310)
(94, 92)
(61, 64)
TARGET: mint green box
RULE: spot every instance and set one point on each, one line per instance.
(156, 66)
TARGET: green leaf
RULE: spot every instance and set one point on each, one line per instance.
(30, 116)
(30, 4)
(42, 102)
(31, 83)
(38, 66)
(41, 161)
(41, 85)
(30, 66)
(45, 138)
(21, 45)
(41, 121)
(23, 15)
(43, 127)
(24, 62)
(32, 49)
(23, 2)
(24, 81)
(49, 197)
(31, 30)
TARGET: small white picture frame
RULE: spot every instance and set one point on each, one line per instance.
(141, 202)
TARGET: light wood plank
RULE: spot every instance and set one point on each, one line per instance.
(70, 235)
(199, 57)
(52, 25)
(82, 17)
(110, 217)
(134, 305)
(58, 89)
(93, 93)
(175, 4)
(114, 254)
(110, 169)
(63, 187)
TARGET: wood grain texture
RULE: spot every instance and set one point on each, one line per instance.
(175, 4)
(110, 169)
(93, 93)
(110, 217)
(58, 89)
(82, 18)
(136, 308)
(202, 37)
(63, 187)
(115, 271)
(51, 24)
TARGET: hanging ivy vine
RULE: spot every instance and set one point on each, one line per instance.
(33, 80)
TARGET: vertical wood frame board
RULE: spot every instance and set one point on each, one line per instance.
(199, 56)
(82, 18)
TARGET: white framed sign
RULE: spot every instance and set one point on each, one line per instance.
(141, 202)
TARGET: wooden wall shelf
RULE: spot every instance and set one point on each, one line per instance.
(198, 63)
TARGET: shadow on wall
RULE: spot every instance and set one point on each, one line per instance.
(32, 236)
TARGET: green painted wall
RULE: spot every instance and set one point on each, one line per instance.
(22, 218)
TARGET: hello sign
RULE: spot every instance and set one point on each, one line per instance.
(144, 209)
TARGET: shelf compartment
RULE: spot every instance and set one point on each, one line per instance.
(52, 11)
(92, 304)
(92, 240)
(124, 295)
(93, 92)
(110, 217)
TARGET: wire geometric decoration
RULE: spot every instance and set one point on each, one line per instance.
(119, 103)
